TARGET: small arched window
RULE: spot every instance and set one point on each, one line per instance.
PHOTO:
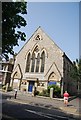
(42, 61)
(37, 63)
(33, 62)
(28, 63)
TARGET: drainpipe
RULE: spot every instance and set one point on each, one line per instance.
(62, 87)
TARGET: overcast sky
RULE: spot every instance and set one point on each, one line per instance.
(59, 20)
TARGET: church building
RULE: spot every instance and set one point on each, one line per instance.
(40, 63)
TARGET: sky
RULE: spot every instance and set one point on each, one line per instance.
(59, 20)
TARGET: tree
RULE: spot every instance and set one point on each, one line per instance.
(76, 71)
(12, 18)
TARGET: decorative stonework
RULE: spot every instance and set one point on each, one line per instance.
(36, 49)
(38, 37)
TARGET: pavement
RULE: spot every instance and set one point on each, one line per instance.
(51, 103)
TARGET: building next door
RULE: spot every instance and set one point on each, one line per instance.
(30, 87)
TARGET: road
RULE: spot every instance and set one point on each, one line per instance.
(16, 111)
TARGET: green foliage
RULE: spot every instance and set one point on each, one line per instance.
(9, 89)
(12, 18)
(44, 93)
(75, 72)
(36, 92)
(56, 90)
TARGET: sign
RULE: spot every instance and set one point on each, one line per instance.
(52, 83)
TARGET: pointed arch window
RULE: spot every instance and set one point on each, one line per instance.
(33, 62)
(28, 63)
(37, 63)
(42, 61)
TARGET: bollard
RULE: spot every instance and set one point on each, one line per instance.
(51, 92)
(15, 93)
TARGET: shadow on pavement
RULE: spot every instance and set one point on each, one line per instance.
(72, 98)
(17, 111)
(7, 96)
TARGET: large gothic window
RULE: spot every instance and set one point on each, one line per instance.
(28, 63)
(33, 62)
(37, 63)
(42, 61)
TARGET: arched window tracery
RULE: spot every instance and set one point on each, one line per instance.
(33, 62)
(37, 62)
(28, 62)
(42, 61)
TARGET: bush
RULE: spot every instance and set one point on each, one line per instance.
(56, 90)
(44, 93)
(9, 89)
(37, 92)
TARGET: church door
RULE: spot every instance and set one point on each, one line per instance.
(30, 87)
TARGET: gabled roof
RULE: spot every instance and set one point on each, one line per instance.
(45, 34)
(40, 28)
(29, 38)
